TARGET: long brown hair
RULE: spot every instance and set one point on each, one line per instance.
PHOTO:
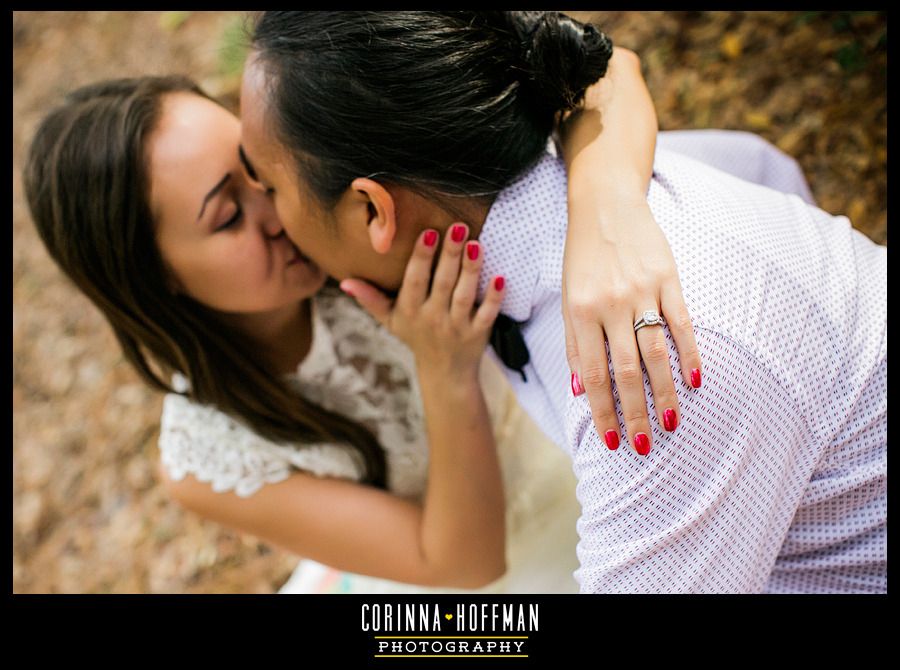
(87, 183)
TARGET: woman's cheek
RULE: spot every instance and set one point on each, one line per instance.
(234, 261)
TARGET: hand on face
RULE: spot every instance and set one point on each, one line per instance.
(436, 316)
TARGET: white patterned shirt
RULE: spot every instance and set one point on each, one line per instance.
(775, 479)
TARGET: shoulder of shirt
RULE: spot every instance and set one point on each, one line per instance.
(766, 363)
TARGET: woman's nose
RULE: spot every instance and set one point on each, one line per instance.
(271, 224)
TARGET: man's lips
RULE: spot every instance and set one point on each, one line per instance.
(295, 255)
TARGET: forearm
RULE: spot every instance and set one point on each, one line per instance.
(463, 519)
(614, 129)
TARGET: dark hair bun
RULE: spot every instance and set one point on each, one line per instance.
(562, 57)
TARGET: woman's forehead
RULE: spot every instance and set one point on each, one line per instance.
(193, 147)
(191, 124)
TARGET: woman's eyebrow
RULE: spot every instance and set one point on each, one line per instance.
(212, 193)
(246, 162)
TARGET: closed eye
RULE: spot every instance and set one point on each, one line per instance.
(233, 220)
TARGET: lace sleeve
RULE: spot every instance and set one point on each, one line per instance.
(207, 443)
(367, 373)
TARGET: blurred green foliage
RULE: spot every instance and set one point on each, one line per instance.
(853, 55)
(172, 21)
(233, 47)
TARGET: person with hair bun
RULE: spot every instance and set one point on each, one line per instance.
(289, 412)
(369, 129)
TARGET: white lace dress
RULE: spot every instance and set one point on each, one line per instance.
(357, 368)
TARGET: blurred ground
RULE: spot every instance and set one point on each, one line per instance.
(88, 514)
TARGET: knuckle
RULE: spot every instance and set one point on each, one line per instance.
(443, 284)
(430, 317)
(656, 351)
(636, 420)
(619, 292)
(629, 373)
(405, 311)
(462, 300)
(643, 287)
(415, 282)
(459, 323)
(682, 321)
(583, 310)
(481, 323)
(604, 417)
(595, 376)
(571, 350)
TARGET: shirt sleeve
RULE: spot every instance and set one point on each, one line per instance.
(708, 509)
(205, 442)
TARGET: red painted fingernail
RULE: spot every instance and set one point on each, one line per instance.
(695, 378)
(499, 283)
(577, 388)
(457, 233)
(430, 238)
(670, 419)
(472, 251)
(612, 440)
(642, 444)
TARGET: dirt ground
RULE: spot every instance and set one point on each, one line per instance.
(89, 516)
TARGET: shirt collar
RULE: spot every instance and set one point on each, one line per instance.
(523, 236)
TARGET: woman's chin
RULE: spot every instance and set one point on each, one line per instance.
(309, 275)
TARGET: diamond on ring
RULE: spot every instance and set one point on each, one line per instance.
(649, 318)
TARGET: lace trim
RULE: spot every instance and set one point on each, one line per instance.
(205, 442)
(359, 370)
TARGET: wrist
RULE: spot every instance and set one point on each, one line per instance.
(623, 191)
(448, 378)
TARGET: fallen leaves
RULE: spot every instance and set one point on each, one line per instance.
(757, 120)
(731, 46)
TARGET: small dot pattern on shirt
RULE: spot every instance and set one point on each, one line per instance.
(775, 479)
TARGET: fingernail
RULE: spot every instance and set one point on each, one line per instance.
(695, 378)
(457, 233)
(499, 282)
(612, 440)
(577, 388)
(472, 251)
(670, 419)
(642, 444)
(348, 292)
(430, 238)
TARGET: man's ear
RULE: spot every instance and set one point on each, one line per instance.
(381, 219)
